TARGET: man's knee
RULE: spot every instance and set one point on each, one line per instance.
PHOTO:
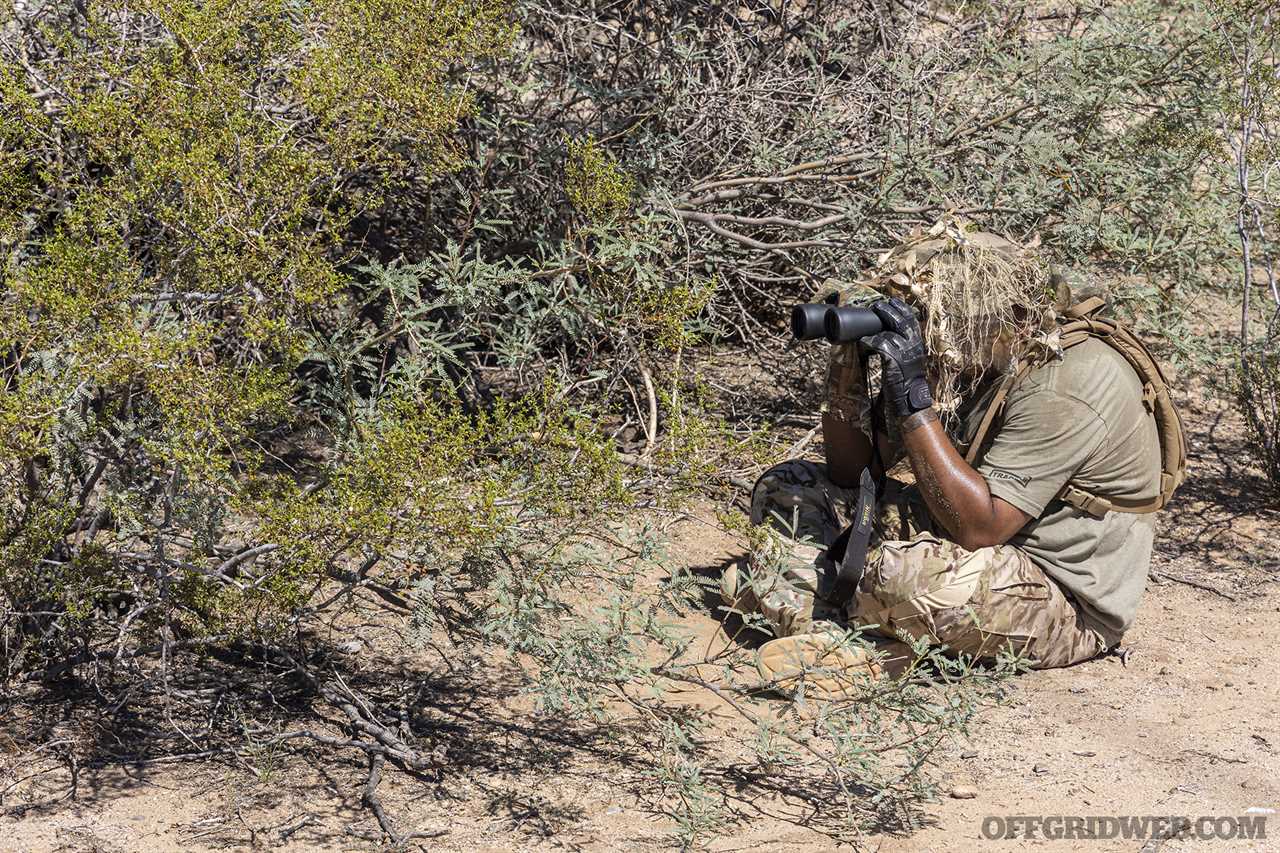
(908, 582)
(784, 485)
(978, 603)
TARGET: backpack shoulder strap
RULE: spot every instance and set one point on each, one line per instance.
(994, 408)
(1081, 325)
(1156, 399)
(1085, 309)
(1072, 334)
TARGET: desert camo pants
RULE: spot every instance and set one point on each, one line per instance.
(916, 583)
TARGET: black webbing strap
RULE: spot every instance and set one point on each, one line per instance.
(849, 551)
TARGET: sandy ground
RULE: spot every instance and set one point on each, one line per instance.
(1187, 724)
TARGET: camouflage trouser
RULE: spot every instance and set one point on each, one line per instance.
(916, 582)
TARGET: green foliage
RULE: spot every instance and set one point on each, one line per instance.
(378, 72)
(1248, 52)
(596, 184)
(294, 309)
(1257, 390)
(21, 123)
(177, 181)
(698, 814)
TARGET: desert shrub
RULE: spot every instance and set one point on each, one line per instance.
(1248, 54)
(185, 177)
(220, 421)
(787, 148)
(1258, 392)
(305, 302)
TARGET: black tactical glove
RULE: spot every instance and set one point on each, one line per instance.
(902, 345)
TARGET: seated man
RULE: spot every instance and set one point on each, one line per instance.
(978, 557)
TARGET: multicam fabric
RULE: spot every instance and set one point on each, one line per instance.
(916, 584)
(848, 400)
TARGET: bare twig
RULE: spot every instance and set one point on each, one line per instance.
(651, 427)
(1192, 583)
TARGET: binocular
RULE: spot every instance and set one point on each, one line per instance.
(838, 324)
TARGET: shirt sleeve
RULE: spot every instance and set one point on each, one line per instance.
(1043, 441)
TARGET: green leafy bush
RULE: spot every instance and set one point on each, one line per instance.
(425, 300)
(1248, 51)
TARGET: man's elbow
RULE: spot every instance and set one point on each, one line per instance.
(988, 529)
(973, 537)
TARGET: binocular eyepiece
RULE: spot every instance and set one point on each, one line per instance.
(838, 324)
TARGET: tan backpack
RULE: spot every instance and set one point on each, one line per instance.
(1078, 326)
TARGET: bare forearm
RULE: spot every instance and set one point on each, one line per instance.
(848, 450)
(956, 494)
(924, 458)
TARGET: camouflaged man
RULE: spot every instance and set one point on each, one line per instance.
(1038, 539)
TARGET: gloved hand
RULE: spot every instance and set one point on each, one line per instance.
(902, 345)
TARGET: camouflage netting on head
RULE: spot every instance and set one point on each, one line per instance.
(982, 299)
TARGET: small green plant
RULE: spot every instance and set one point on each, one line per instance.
(597, 185)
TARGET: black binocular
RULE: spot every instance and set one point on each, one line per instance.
(838, 324)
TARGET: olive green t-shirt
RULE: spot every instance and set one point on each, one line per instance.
(1080, 420)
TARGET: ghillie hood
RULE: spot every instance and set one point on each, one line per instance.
(973, 290)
